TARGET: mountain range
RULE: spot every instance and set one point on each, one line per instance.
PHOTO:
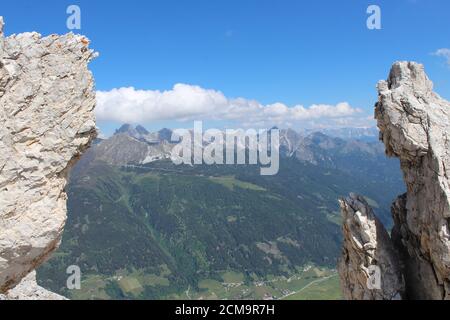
(141, 227)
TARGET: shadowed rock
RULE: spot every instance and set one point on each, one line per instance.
(369, 267)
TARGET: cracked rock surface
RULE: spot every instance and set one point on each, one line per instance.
(367, 249)
(47, 102)
(414, 125)
(28, 289)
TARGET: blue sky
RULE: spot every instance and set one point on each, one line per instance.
(293, 52)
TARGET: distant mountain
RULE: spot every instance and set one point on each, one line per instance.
(126, 128)
(165, 134)
(133, 145)
(141, 130)
(355, 157)
(363, 159)
(314, 147)
(370, 134)
(141, 227)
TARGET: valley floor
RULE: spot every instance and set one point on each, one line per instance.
(310, 283)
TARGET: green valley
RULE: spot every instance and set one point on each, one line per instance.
(161, 231)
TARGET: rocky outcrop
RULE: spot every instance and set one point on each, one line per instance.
(415, 127)
(369, 264)
(47, 100)
(28, 289)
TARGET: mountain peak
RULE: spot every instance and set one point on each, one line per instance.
(134, 131)
(141, 130)
(165, 134)
(319, 137)
(125, 128)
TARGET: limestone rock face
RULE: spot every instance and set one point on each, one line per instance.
(47, 100)
(414, 125)
(369, 266)
(28, 289)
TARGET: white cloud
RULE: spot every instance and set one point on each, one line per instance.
(445, 53)
(187, 102)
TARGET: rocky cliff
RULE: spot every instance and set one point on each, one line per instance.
(367, 245)
(415, 127)
(28, 289)
(47, 100)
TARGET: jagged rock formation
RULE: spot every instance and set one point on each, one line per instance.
(28, 289)
(367, 245)
(415, 127)
(46, 111)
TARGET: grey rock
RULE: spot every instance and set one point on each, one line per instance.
(28, 289)
(414, 125)
(367, 249)
(47, 102)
